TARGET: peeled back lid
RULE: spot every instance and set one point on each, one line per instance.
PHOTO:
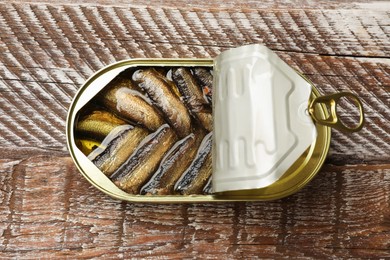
(261, 122)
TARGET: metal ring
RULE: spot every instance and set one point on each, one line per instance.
(333, 121)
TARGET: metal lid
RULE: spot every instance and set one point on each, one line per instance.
(261, 122)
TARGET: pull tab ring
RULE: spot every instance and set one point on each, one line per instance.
(333, 121)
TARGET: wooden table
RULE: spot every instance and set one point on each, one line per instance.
(47, 51)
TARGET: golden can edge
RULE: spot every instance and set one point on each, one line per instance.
(296, 177)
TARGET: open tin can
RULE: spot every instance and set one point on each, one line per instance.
(85, 148)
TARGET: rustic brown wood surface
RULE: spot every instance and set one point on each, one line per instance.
(47, 51)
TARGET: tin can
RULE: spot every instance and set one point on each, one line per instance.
(295, 178)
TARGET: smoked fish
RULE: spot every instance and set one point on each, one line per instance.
(165, 99)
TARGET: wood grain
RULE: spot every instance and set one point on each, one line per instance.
(47, 51)
(228, 4)
(47, 207)
(43, 55)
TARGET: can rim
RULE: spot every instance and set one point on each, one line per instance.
(118, 194)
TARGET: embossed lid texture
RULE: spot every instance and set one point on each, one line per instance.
(261, 123)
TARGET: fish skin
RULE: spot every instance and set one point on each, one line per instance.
(165, 99)
(177, 160)
(208, 188)
(204, 76)
(205, 80)
(189, 88)
(196, 176)
(103, 115)
(192, 96)
(117, 149)
(199, 182)
(206, 119)
(141, 165)
(98, 124)
(86, 145)
(123, 99)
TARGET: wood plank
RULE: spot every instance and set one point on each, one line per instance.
(207, 32)
(48, 52)
(46, 206)
(227, 4)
